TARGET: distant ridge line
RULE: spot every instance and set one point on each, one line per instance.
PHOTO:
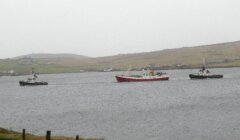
(50, 55)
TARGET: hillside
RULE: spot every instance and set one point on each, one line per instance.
(216, 55)
(224, 54)
(49, 56)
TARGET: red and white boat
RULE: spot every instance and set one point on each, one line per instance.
(144, 77)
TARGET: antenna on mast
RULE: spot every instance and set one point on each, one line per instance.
(129, 69)
(32, 70)
(204, 62)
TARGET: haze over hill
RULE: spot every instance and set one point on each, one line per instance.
(101, 28)
(216, 55)
(49, 56)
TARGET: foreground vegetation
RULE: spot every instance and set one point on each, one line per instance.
(12, 135)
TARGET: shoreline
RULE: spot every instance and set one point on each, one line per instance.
(156, 69)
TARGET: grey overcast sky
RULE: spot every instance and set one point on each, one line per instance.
(108, 27)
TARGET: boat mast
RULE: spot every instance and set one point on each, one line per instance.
(204, 63)
(32, 71)
(129, 69)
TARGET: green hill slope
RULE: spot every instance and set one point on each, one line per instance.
(225, 54)
(216, 55)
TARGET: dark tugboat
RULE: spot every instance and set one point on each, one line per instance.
(204, 74)
(32, 81)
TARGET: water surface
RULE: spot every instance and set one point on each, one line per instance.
(95, 105)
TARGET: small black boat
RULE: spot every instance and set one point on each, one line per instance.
(32, 83)
(199, 76)
(204, 74)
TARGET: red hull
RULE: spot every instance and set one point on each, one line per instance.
(133, 79)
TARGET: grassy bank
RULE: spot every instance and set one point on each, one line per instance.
(13, 135)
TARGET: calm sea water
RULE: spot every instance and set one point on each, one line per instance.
(95, 105)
